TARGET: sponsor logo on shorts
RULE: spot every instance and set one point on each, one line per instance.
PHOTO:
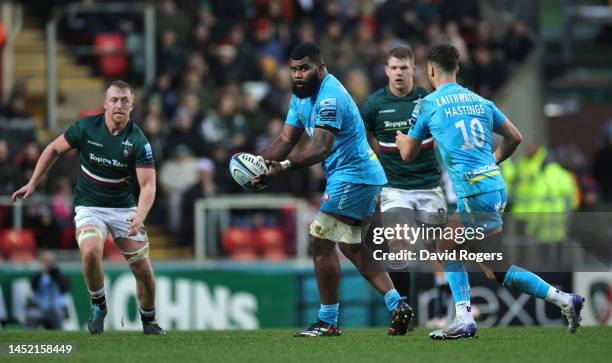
(347, 188)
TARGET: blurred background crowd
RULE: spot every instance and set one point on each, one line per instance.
(222, 86)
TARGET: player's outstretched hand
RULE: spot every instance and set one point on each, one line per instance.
(23, 192)
(135, 223)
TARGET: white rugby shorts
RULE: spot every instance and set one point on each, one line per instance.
(429, 205)
(113, 220)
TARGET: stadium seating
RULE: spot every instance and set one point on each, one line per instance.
(112, 65)
(67, 240)
(270, 242)
(19, 245)
(238, 243)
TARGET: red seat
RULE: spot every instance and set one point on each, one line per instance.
(67, 240)
(270, 241)
(18, 244)
(238, 243)
(112, 251)
(112, 65)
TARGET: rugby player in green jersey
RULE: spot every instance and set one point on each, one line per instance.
(413, 195)
(115, 158)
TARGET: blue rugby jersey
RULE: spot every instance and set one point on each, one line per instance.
(351, 159)
(462, 123)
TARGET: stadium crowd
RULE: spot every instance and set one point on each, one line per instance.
(222, 86)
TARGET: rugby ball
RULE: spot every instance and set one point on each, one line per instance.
(244, 167)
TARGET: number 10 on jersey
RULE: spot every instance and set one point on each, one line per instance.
(478, 136)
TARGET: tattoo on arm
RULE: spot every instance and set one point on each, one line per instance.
(316, 151)
(282, 145)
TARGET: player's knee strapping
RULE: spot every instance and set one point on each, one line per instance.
(137, 255)
(89, 232)
(327, 227)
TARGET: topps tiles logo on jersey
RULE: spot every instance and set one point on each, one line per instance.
(396, 124)
(104, 161)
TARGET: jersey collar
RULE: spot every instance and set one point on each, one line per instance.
(447, 85)
(410, 96)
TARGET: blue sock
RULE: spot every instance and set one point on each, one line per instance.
(458, 280)
(392, 299)
(526, 281)
(329, 313)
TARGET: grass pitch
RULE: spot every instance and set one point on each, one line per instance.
(517, 344)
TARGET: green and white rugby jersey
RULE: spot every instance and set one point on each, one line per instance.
(108, 163)
(383, 114)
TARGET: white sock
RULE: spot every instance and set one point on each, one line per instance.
(558, 297)
(463, 311)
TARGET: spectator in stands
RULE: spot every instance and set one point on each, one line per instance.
(171, 18)
(185, 133)
(205, 15)
(26, 160)
(226, 126)
(255, 117)
(337, 48)
(489, 73)
(153, 130)
(269, 50)
(205, 187)
(358, 85)
(61, 203)
(172, 55)
(176, 176)
(192, 85)
(134, 44)
(306, 32)
(273, 128)
(366, 52)
(67, 166)
(518, 43)
(227, 66)
(165, 93)
(8, 172)
(16, 123)
(48, 307)
(201, 39)
(277, 98)
(453, 37)
(466, 13)
(190, 105)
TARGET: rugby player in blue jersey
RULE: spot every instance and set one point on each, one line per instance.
(323, 108)
(462, 123)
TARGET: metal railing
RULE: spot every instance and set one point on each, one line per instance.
(20, 204)
(148, 13)
(12, 18)
(219, 209)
